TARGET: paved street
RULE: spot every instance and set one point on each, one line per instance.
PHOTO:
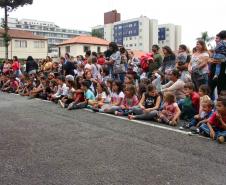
(41, 144)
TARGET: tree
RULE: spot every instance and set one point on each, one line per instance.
(206, 38)
(10, 5)
(97, 33)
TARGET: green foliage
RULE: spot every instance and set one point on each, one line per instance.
(97, 33)
(206, 38)
(6, 38)
(13, 4)
(10, 5)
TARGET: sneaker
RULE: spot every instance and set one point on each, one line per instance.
(220, 139)
(194, 130)
(70, 106)
(61, 103)
(184, 126)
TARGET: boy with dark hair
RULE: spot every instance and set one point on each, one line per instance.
(190, 105)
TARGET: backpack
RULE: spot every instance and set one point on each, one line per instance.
(145, 59)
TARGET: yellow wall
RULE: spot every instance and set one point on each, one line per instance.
(25, 52)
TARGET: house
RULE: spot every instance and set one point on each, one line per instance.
(80, 44)
(24, 44)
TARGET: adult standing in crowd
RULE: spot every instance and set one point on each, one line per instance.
(157, 62)
(47, 67)
(133, 64)
(68, 66)
(199, 65)
(114, 61)
(31, 66)
(16, 67)
(169, 61)
(182, 60)
(222, 75)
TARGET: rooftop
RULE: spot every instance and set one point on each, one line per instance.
(83, 39)
(22, 34)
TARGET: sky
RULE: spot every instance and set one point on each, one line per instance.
(195, 16)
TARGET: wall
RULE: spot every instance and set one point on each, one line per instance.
(25, 52)
(78, 49)
(169, 39)
(178, 36)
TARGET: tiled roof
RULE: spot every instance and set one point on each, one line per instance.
(138, 53)
(82, 39)
(23, 34)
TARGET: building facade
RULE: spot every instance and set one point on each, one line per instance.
(50, 30)
(24, 44)
(111, 17)
(140, 33)
(169, 35)
(135, 34)
(80, 44)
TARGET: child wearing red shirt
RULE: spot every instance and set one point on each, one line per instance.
(216, 126)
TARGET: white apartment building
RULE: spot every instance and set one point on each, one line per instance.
(24, 44)
(135, 34)
(50, 30)
(141, 33)
(169, 35)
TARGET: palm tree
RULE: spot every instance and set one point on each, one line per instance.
(206, 38)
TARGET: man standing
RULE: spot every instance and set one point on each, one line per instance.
(156, 64)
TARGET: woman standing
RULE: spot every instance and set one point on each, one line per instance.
(169, 61)
(199, 65)
(114, 62)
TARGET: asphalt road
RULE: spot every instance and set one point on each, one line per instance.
(42, 144)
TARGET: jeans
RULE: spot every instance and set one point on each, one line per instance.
(112, 109)
(205, 130)
(193, 122)
(137, 110)
(79, 105)
(147, 116)
(125, 112)
(199, 80)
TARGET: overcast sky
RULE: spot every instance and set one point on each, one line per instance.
(195, 16)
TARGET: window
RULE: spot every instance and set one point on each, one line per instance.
(20, 43)
(135, 44)
(140, 23)
(131, 45)
(141, 44)
(39, 44)
(86, 48)
(98, 49)
(1, 43)
(68, 49)
(130, 38)
(140, 30)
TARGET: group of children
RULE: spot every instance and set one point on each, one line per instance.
(138, 91)
(139, 100)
